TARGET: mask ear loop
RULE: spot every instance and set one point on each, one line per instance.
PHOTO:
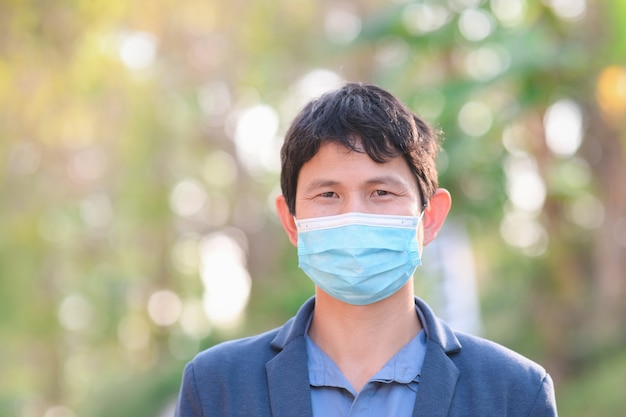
(424, 205)
(421, 215)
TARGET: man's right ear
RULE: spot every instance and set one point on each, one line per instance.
(287, 220)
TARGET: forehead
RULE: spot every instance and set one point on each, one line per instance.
(336, 163)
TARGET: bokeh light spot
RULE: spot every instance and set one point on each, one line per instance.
(96, 211)
(521, 230)
(611, 93)
(188, 198)
(563, 124)
(420, 18)
(138, 49)
(475, 118)
(256, 141)
(164, 307)
(510, 13)
(525, 187)
(568, 9)
(475, 24)
(342, 25)
(391, 52)
(226, 280)
(75, 312)
(487, 62)
(586, 211)
(312, 85)
(515, 138)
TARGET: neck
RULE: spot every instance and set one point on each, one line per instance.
(362, 339)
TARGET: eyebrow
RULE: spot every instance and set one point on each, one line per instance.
(384, 179)
(321, 183)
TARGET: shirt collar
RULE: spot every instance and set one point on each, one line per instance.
(404, 367)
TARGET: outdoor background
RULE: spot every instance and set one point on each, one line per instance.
(139, 149)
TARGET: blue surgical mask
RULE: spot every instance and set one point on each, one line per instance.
(359, 258)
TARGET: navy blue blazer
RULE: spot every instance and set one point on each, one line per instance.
(267, 375)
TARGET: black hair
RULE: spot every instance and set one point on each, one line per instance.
(362, 118)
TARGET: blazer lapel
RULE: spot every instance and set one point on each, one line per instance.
(288, 381)
(288, 371)
(437, 383)
(439, 374)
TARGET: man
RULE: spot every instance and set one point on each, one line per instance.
(360, 200)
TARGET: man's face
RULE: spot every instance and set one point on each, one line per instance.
(337, 181)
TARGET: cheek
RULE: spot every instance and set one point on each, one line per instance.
(420, 236)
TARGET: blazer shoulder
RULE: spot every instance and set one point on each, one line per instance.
(216, 379)
(238, 352)
(493, 358)
(490, 373)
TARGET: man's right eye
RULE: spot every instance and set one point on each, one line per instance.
(328, 194)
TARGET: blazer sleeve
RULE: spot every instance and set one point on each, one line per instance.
(545, 402)
(188, 404)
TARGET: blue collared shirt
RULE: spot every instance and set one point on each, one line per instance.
(391, 392)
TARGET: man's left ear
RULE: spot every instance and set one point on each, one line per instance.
(435, 214)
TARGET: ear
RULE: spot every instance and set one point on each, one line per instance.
(435, 214)
(287, 220)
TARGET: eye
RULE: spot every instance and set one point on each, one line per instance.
(381, 193)
(328, 194)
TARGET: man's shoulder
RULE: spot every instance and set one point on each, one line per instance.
(250, 355)
(474, 354)
(485, 358)
(496, 378)
(237, 351)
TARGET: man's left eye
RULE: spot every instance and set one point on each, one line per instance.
(382, 192)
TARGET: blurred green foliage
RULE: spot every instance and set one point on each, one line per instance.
(124, 152)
